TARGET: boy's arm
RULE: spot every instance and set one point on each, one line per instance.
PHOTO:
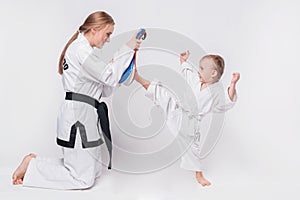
(188, 72)
(228, 101)
(232, 87)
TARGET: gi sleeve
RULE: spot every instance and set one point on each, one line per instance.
(225, 102)
(107, 90)
(95, 69)
(190, 74)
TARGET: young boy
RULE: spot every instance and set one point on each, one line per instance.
(209, 96)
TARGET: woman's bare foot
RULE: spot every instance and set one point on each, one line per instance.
(200, 178)
(19, 174)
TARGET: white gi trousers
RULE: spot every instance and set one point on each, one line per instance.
(63, 173)
(187, 137)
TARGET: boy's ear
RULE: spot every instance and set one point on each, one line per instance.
(214, 73)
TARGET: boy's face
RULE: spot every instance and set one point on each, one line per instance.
(207, 70)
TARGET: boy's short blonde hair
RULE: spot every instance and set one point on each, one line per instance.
(218, 61)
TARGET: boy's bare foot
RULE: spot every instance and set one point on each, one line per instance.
(19, 174)
(145, 83)
(200, 178)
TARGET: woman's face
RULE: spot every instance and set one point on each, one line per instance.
(206, 70)
(101, 36)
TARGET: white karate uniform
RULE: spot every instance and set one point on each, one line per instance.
(84, 73)
(183, 119)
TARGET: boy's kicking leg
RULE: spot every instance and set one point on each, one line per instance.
(167, 102)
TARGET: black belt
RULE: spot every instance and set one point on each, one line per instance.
(103, 119)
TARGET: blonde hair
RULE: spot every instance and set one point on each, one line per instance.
(97, 19)
(218, 61)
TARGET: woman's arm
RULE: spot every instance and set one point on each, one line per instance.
(110, 73)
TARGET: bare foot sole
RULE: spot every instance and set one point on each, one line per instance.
(19, 174)
(202, 180)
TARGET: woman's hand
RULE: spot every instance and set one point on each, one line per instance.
(134, 43)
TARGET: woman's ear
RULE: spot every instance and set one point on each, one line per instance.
(93, 31)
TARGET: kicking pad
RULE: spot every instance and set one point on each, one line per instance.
(127, 76)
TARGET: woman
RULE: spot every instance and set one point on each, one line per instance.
(85, 79)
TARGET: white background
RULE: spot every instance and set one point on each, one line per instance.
(257, 156)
